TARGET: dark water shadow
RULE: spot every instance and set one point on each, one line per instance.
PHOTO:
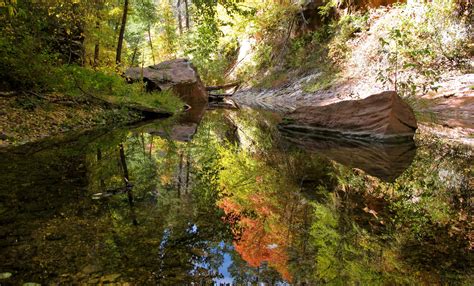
(382, 160)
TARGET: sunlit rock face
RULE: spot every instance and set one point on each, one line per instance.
(178, 75)
(379, 117)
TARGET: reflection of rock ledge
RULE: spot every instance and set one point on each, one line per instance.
(322, 133)
(182, 132)
(382, 160)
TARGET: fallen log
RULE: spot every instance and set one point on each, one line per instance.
(113, 192)
(222, 104)
(224, 86)
(220, 94)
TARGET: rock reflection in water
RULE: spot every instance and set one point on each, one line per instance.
(232, 205)
(186, 125)
(382, 160)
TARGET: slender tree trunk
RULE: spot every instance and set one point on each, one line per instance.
(97, 27)
(180, 173)
(96, 54)
(151, 145)
(188, 168)
(118, 56)
(128, 186)
(123, 161)
(180, 24)
(134, 55)
(187, 13)
(151, 45)
(102, 181)
(143, 144)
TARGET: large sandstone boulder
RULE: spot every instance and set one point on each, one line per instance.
(178, 75)
(384, 116)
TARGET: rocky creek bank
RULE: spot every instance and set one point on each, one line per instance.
(447, 113)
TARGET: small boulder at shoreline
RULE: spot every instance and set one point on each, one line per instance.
(381, 117)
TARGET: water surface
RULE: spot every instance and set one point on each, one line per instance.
(224, 197)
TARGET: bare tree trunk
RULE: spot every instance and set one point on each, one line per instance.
(96, 54)
(187, 13)
(143, 144)
(123, 161)
(134, 55)
(180, 173)
(97, 26)
(128, 186)
(188, 168)
(151, 45)
(180, 24)
(102, 181)
(151, 145)
(118, 56)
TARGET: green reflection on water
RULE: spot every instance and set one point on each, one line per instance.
(281, 210)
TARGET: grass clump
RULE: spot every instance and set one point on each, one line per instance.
(164, 100)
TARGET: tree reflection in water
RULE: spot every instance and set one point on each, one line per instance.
(236, 189)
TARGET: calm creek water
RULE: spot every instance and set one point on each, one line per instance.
(237, 202)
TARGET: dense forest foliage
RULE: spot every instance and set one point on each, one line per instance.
(42, 39)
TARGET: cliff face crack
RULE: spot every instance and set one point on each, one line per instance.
(407, 125)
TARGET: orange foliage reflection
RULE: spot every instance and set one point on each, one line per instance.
(259, 234)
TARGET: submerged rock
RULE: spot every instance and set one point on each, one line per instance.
(384, 116)
(178, 75)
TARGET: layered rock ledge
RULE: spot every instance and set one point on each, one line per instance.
(381, 117)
